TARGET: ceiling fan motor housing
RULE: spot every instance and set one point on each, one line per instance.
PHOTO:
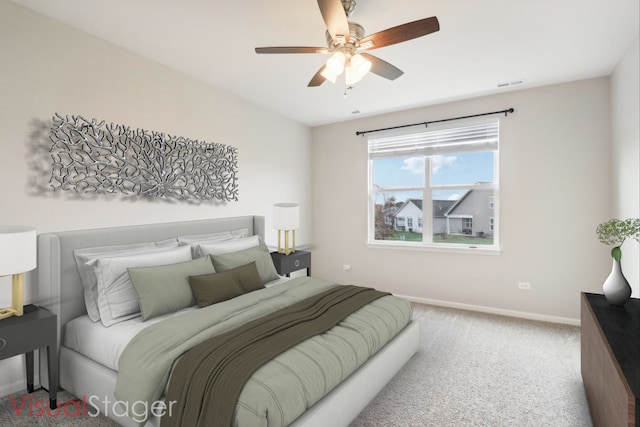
(356, 33)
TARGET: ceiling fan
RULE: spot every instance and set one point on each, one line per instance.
(346, 42)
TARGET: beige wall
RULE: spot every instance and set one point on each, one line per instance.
(48, 67)
(625, 121)
(555, 185)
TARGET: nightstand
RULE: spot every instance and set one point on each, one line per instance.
(32, 331)
(286, 264)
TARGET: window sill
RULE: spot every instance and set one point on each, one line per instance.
(451, 248)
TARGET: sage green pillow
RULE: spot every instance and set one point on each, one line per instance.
(165, 288)
(258, 254)
(216, 287)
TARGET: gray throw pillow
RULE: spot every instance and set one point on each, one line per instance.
(248, 277)
(216, 287)
(165, 288)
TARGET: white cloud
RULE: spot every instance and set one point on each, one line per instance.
(414, 165)
(437, 162)
(454, 197)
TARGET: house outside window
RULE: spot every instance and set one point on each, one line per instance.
(454, 169)
(468, 225)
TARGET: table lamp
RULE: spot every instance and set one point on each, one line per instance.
(286, 217)
(17, 256)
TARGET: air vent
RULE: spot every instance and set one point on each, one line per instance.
(511, 83)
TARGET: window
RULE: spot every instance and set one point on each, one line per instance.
(453, 169)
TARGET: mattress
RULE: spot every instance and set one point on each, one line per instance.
(105, 345)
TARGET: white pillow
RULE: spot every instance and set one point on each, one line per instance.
(117, 299)
(86, 257)
(221, 248)
(196, 239)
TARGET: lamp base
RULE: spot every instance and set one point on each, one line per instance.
(17, 298)
(287, 250)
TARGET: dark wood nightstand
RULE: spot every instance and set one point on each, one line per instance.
(610, 353)
(286, 264)
(32, 331)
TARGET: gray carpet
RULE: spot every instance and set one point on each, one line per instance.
(474, 369)
(471, 369)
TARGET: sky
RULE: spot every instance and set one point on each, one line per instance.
(459, 168)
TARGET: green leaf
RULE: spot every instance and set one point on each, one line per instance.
(616, 253)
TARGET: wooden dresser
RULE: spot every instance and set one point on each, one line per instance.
(610, 347)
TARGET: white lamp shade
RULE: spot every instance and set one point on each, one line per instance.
(286, 216)
(17, 249)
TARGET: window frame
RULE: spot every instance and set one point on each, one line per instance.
(427, 190)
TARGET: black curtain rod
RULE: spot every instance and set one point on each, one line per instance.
(426, 124)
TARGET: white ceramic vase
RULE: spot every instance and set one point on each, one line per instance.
(616, 288)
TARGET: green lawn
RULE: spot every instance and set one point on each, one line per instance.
(406, 236)
(438, 238)
(457, 238)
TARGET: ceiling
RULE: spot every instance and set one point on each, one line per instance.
(480, 44)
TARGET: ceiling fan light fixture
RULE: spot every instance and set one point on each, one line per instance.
(351, 77)
(360, 66)
(328, 75)
(335, 63)
(345, 39)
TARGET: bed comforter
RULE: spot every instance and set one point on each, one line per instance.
(282, 389)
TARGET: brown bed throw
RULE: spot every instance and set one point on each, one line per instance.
(207, 380)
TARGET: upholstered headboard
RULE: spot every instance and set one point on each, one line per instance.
(60, 289)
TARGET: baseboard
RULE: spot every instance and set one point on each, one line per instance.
(493, 310)
(19, 383)
(11, 388)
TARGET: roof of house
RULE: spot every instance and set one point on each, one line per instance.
(417, 202)
(457, 202)
(440, 207)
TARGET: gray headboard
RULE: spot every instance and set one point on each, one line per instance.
(59, 286)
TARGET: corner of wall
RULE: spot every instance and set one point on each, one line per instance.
(625, 147)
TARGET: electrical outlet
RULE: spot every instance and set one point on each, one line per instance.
(346, 267)
(524, 285)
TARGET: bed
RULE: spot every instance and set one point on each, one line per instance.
(61, 291)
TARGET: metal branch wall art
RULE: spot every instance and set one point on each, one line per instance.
(92, 157)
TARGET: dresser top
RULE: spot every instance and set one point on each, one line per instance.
(621, 327)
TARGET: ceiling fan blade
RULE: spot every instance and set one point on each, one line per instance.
(291, 49)
(334, 18)
(318, 78)
(383, 68)
(402, 33)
